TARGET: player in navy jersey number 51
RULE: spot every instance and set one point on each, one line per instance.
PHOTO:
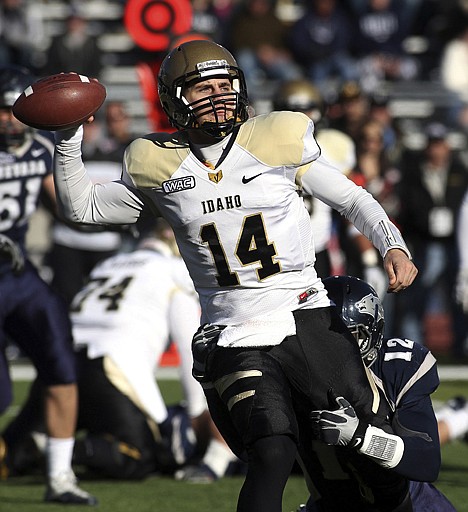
(32, 315)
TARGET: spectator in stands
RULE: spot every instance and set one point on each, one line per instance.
(320, 42)
(117, 134)
(74, 50)
(20, 31)
(352, 110)
(381, 30)
(373, 169)
(379, 110)
(205, 20)
(431, 193)
(258, 40)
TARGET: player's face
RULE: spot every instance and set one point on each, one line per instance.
(219, 108)
(9, 125)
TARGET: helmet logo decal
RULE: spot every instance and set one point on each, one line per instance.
(213, 67)
(370, 305)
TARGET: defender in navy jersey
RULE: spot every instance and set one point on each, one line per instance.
(357, 477)
(32, 315)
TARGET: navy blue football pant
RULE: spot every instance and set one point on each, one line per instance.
(36, 319)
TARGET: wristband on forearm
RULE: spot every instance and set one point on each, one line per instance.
(383, 448)
(387, 236)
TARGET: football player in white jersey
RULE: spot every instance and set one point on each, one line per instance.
(122, 320)
(132, 305)
(228, 186)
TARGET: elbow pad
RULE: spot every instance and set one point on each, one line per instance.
(384, 449)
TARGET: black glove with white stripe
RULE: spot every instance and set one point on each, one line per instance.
(203, 343)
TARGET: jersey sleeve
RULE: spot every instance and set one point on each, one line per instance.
(409, 375)
(322, 180)
(82, 201)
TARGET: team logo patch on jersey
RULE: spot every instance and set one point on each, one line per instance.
(178, 184)
(215, 177)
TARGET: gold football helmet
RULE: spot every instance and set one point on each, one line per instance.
(299, 96)
(197, 61)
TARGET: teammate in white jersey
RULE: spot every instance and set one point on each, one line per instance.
(122, 320)
(132, 305)
(228, 185)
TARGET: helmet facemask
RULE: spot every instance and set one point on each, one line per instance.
(369, 341)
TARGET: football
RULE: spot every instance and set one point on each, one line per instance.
(59, 102)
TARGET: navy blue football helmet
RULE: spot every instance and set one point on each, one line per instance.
(361, 310)
(13, 81)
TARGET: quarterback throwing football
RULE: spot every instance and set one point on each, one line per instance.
(228, 185)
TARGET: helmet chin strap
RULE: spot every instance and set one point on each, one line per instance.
(217, 130)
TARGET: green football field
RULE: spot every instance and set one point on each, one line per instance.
(163, 494)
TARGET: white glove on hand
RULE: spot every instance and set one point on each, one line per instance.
(377, 278)
(11, 251)
(461, 289)
(340, 427)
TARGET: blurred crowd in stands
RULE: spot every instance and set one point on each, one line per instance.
(369, 61)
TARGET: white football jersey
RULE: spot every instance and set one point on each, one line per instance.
(133, 304)
(242, 228)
